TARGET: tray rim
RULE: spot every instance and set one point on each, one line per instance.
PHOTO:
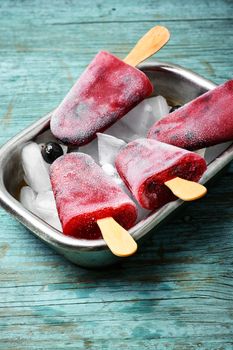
(51, 235)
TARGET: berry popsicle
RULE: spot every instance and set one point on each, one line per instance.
(104, 93)
(203, 122)
(84, 194)
(146, 166)
(107, 90)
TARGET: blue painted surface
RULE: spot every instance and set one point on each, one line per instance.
(177, 292)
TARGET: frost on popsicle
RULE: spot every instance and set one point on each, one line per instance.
(104, 93)
(203, 122)
(156, 163)
(84, 194)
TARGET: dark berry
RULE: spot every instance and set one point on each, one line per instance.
(151, 187)
(51, 151)
(174, 108)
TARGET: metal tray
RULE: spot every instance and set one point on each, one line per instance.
(178, 86)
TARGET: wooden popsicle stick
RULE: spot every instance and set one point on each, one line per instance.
(119, 241)
(185, 189)
(150, 43)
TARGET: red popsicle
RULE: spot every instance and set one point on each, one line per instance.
(203, 122)
(145, 165)
(104, 93)
(85, 194)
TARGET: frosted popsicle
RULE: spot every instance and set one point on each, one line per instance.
(203, 122)
(104, 93)
(145, 165)
(85, 194)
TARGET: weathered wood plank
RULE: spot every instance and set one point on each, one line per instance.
(177, 292)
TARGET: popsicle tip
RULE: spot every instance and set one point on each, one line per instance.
(148, 45)
(119, 241)
(163, 29)
(126, 252)
(185, 189)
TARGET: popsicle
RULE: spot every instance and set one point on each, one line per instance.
(149, 168)
(84, 195)
(203, 122)
(105, 92)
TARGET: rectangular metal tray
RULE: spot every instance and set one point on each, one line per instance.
(178, 86)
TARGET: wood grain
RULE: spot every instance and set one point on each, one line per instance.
(177, 292)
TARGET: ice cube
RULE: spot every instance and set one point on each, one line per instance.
(27, 198)
(120, 129)
(35, 170)
(45, 202)
(90, 148)
(108, 147)
(136, 123)
(139, 119)
(159, 107)
(54, 221)
(43, 205)
(110, 170)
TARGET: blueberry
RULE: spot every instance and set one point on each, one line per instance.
(174, 108)
(51, 151)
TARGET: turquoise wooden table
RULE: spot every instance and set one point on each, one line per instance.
(177, 292)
